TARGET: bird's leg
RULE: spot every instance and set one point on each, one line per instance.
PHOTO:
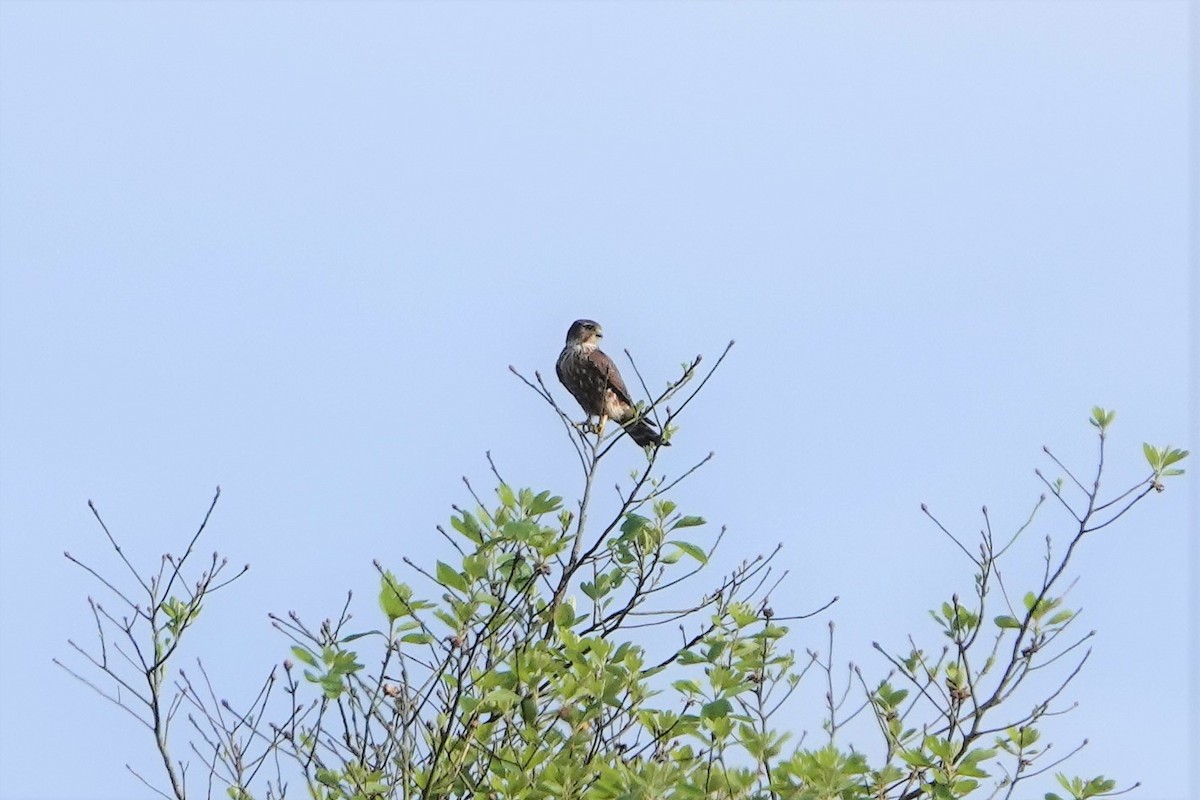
(600, 420)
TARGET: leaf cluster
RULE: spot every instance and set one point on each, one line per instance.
(549, 657)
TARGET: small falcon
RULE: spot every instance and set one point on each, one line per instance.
(593, 379)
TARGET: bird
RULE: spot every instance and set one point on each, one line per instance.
(593, 379)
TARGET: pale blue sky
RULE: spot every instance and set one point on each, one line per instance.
(291, 249)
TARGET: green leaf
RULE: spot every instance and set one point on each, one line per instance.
(529, 709)
(416, 638)
(1005, 621)
(772, 632)
(742, 614)
(328, 778)
(1151, 456)
(332, 685)
(1023, 738)
(693, 551)
(717, 708)
(564, 615)
(1174, 456)
(522, 531)
(942, 748)
(393, 597)
(468, 527)
(970, 768)
(1060, 617)
(633, 523)
(448, 576)
(507, 498)
(303, 655)
(916, 758)
(476, 565)
(544, 503)
(688, 522)
(500, 699)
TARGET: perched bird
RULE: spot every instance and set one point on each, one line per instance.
(593, 379)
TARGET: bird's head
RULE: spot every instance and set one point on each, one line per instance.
(584, 332)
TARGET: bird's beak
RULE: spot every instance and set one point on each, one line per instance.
(599, 333)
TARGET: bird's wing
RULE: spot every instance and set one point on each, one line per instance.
(612, 377)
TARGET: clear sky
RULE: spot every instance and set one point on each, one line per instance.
(292, 248)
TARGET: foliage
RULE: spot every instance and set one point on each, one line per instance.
(539, 662)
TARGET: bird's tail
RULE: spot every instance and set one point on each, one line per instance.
(642, 432)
